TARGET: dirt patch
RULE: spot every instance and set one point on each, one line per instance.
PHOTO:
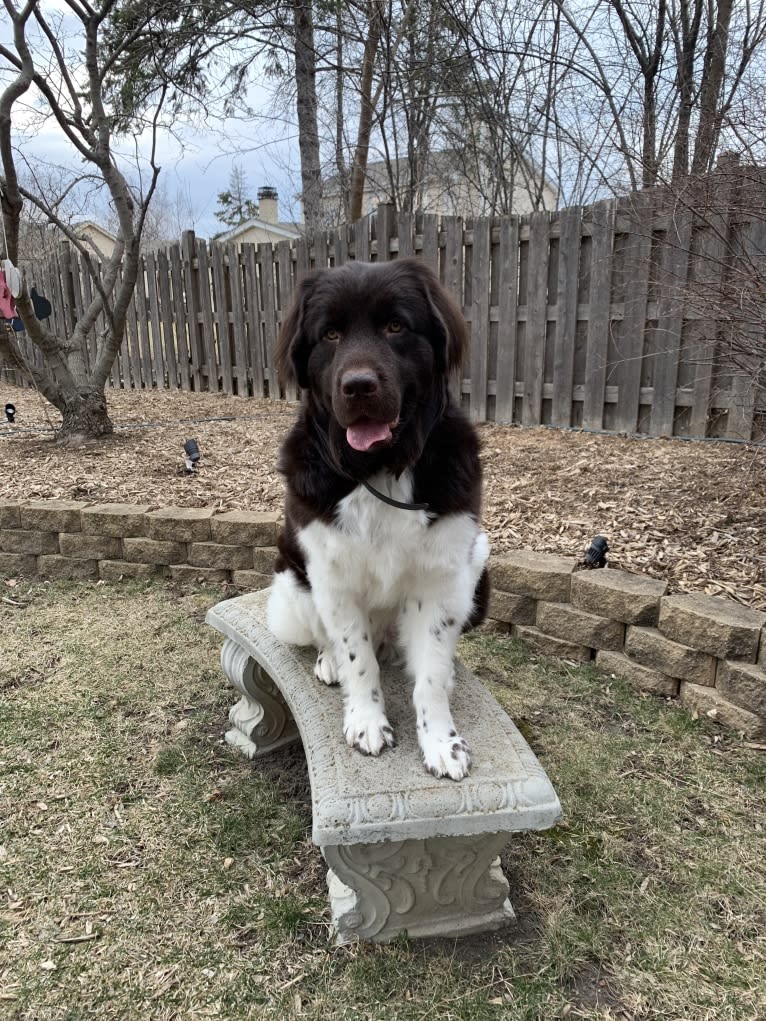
(690, 512)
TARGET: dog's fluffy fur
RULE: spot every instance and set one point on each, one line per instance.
(372, 347)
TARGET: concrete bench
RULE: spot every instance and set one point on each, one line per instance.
(406, 852)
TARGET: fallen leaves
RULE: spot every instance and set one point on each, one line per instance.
(693, 514)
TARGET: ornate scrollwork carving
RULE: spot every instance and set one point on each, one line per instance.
(445, 885)
(261, 719)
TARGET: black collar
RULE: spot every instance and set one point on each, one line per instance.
(394, 503)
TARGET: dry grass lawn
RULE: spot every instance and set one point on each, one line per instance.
(150, 872)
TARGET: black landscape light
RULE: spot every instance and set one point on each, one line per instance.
(595, 554)
(192, 455)
(10, 411)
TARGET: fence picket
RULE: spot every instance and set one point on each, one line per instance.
(507, 333)
(266, 254)
(182, 327)
(286, 288)
(255, 355)
(166, 317)
(537, 318)
(673, 263)
(239, 332)
(599, 318)
(154, 320)
(570, 225)
(192, 289)
(480, 320)
(637, 265)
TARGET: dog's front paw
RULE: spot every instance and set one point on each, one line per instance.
(324, 668)
(445, 754)
(368, 732)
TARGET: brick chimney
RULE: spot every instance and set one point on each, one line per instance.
(268, 204)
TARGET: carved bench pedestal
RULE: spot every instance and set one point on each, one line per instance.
(406, 852)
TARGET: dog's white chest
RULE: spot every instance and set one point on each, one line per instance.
(380, 551)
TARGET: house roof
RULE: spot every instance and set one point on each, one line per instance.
(85, 225)
(288, 231)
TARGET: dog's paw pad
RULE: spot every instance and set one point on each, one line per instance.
(369, 735)
(448, 755)
(324, 669)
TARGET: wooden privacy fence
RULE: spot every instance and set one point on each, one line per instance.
(622, 316)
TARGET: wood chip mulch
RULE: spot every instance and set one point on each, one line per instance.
(693, 513)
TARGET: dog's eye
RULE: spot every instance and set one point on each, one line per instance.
(393, 326)
(332, 335)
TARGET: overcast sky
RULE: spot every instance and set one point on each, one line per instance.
(196, 162)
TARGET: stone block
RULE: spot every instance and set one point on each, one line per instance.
(510, 608)
(744, 684)
(227, 558)
(538, 575)
(18, 563)
(709, 702)
(641, 677)
(22, 540)
(250, 581)
(647, 646)
(264, 558)
(151, 551)
(179, 524)
(245, 528)
(69, 568)
(114, 570)
(89, 547)
(711, 624)
(545, 645)
(762, 650)
(121, 520)
(10, 516)
(187, 573)
(52, 515)
(619, 595)
(578, 627)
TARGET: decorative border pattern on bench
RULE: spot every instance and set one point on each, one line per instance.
(708, 651)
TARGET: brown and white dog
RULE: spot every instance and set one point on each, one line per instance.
(381, 533)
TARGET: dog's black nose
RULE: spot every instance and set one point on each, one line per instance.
(359, 383)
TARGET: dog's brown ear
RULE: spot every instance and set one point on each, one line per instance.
(293, 346)
(447, 317)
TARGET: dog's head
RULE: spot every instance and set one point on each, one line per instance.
(373, 345)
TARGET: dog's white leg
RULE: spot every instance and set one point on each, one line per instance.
(430, 625)
(429, 630)
(365, 725)
(292, 617)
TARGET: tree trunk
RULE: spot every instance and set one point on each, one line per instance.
(366, 112)
(85, 417)
(710, 91)
(686, 49)
(306, 107)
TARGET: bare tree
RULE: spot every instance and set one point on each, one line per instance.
(68, 79)
(306, 109)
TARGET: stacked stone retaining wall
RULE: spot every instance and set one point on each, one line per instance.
(708, 651)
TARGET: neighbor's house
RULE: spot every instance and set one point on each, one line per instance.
(97, 239)
(266, 226)
(444, 188)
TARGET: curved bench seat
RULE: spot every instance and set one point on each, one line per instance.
(406, 851)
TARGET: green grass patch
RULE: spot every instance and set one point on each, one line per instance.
(149, 871)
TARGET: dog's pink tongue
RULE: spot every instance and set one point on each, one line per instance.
(361, 435)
